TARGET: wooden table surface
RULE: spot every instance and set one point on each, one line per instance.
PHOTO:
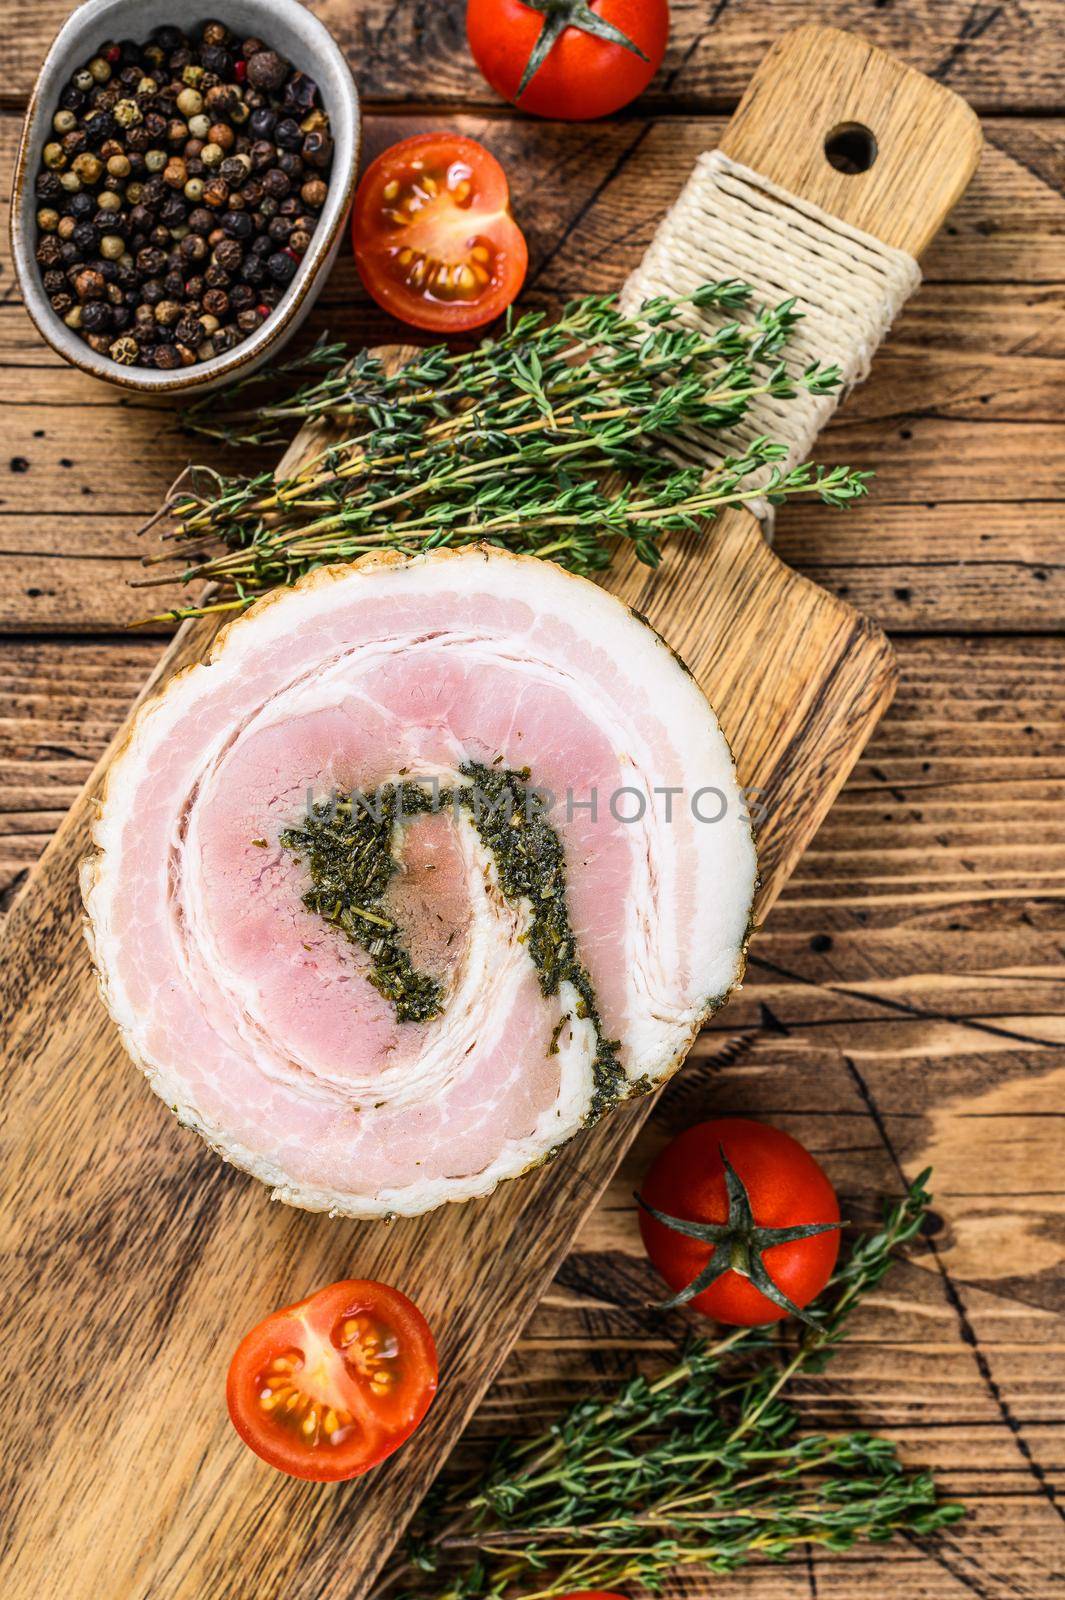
(905, 1005)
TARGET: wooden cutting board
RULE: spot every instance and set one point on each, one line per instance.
(135, 1258)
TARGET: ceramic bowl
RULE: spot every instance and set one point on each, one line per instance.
(285, 26)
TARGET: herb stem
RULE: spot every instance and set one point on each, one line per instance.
(555, 440)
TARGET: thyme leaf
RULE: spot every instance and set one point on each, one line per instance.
(557, 439)
(701, 1467)
(348, 845)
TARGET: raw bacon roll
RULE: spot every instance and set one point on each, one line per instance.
(430, 864)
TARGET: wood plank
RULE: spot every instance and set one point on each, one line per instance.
(910, 874)
(914, 569)
(1001, 57)
(619, 177)
(918, 458)
(813, 692)
(976, 353)
(906, 1371)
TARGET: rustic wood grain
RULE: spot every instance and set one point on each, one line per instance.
(1006, 56)
(973, 369)
(798, 679)
(930, 908)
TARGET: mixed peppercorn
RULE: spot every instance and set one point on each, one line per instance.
(178, 194)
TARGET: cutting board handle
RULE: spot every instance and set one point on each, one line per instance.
(818, 87)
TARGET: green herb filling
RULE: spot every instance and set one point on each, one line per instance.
(348, 845)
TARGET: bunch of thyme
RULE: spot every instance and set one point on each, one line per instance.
(552, 439)
(700, 1468)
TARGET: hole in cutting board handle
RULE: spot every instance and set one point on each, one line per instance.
(851, 148)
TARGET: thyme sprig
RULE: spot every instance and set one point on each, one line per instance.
(552, 439)
(699, 1467)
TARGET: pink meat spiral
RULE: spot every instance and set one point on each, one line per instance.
(255, 1019)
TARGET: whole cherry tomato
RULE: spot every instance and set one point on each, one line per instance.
(568, 58)
(740, 1221)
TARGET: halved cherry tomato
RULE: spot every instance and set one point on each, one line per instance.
(329, 1387)
(434, 239)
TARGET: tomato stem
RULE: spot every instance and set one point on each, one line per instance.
(738, 1245)
(559, 15)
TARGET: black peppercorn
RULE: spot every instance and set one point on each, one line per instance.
(173, 212)
(317, 149)
(150, 261)
(228, 254)
(61, 303)
(275, 184)
(220, 100)
(237, 224)
(193, 247)
(217, 60)
(301, 94)
(225, 339)
(282, 266)
(96, 317)
(234, 170)
(267, 70)
(99, 127)
(217, 239)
